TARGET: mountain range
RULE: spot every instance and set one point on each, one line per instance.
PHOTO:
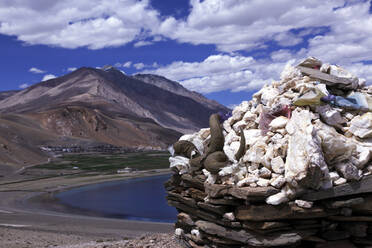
(97, 107)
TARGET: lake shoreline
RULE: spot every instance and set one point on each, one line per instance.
(51, 201)
(30, 206)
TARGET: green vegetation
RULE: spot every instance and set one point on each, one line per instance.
(109, 163)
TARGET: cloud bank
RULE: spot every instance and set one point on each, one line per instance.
(253, 39)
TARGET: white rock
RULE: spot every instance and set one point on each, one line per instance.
(336, 147)
(252, 136)
(361, 126)
(187, 137)
(277, 165)
(304, 155)
(239, 111)
(171, 150)
(268, 95)
(341, 72)
(239, 124)
(279, 122)
(228, 170)
(204, 133)
(231, 150)
(196, 233)
(211, 179)
(270, 134)
(278, 182)
(227, 124)
(179, 232)
(367, 173)
(304, 204)
(275, 175)
(231, 137)
(229, 216)
(265, 173)
(349, 116)
(364, 156)
(277, 198)
(253, 185)
(181, 163)
(249, 116)
(290, 72)
(196, 139)
(325, 67)
(255, 153)
(270, 153)
(334, 175)
(247, 181)
(263, 182)
(340, 181)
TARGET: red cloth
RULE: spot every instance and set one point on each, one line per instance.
(267, 116)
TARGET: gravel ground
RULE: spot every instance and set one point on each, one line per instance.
(21, 238)
(145, 241)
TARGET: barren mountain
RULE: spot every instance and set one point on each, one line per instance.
(177, 88)
(5, 94)
(98, 106)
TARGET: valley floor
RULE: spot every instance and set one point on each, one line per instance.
(30, 218)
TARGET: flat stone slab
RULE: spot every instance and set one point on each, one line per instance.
(280, 212)
(352, 188)
(324, 77)
(253, 240)
(193, 181)
(351, 218)
(249, 192)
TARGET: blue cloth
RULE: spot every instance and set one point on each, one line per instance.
(342, 102)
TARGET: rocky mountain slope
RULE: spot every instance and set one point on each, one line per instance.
(98, 106)
(5, 94)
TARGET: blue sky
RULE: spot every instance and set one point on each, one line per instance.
(225, 49)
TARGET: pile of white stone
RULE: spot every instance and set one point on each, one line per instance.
(318, 147)
(304, 176)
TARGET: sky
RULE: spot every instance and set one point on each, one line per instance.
(224, 49)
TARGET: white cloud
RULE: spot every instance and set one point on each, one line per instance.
(336, 31)
(344, 27)
(77, 23)
(287, 39)
(48, 77)
(71, 69)
(139, 66)
(142, 43)
(222, 72)
(243, 25)
(24, 86)
(281, 55)
(36, 70)
(127, 64)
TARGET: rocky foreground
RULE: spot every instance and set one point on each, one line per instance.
(16, 238)
(291, 167)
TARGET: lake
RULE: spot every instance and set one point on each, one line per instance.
(133, 199)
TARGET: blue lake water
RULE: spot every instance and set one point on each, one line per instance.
(133, 199)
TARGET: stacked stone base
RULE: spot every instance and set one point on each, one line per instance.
(215, 215)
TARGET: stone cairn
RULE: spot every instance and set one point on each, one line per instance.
(286, 169)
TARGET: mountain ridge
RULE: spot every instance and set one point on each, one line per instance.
(103, 106)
